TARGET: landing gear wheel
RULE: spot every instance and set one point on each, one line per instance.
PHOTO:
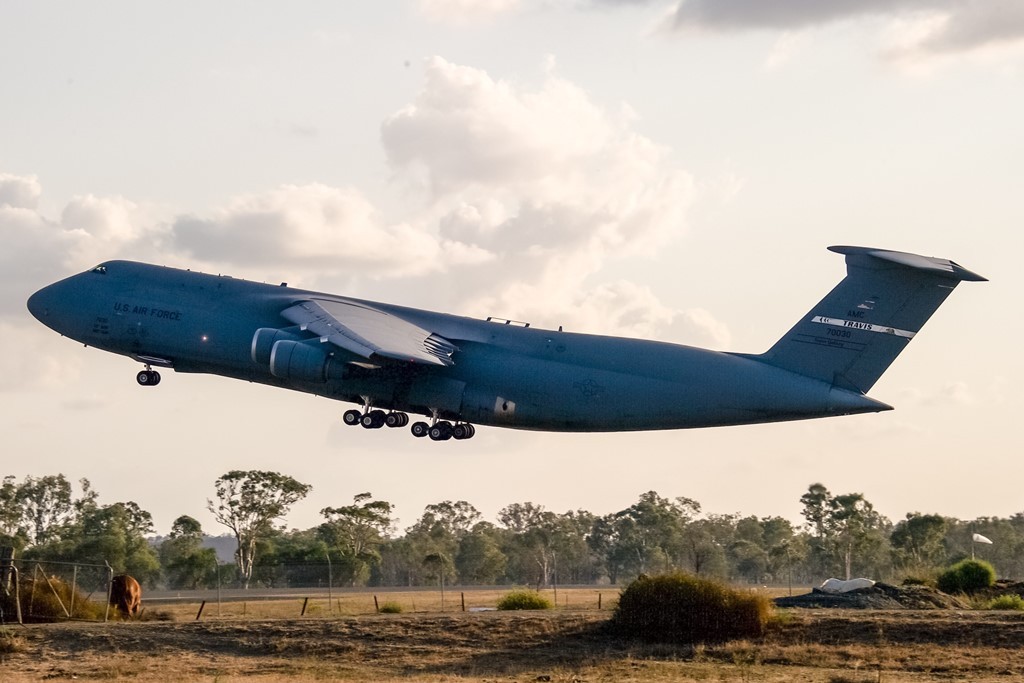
(463, 431)
(351, 417)
(396, 420)
(373, 419)
(442, 431)
(148, 378)
(420, 429)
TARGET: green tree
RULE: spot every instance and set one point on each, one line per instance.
(248, 503)
(116, 534)
(531, 541)
(648, 536)
(12, 531)
(439, 567)
(857, 529)
(846, 531)
(185, 562)
(437, 532)
(480, 559)
(917, 541)
(703, 545)
(355, 533)
(48, 507)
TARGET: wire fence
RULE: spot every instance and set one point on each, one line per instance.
(46, 590)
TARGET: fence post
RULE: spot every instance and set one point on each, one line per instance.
(304, 603)
(599, 601)
(110, 581)
(463, 601)
(17, 592)
(376, 607)
(200, 612)
(74, 587)
(330, 580)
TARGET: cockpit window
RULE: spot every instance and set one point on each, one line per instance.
(102, 270)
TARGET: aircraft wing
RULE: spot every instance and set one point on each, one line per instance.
(367, 332)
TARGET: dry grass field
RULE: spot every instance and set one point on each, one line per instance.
(566, 645)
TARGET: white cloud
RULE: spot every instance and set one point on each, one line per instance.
(19, 192)
(38, 250)
(466, 11)
(323, 228)
(788, 45)
(39, 361)
(530, 193)
(550, 182)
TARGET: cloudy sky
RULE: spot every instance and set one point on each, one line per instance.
(645, 168)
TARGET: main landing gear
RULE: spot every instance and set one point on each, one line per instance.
(148, 377)
(375, 419)
(441, 430)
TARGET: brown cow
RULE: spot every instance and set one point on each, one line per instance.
(125, 595)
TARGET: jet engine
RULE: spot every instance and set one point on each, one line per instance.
(303, 362)
(265, 338)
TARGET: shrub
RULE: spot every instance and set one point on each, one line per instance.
(390, 607)
(967, 576)
(683, 608)
(1009, 601)
(524, 599)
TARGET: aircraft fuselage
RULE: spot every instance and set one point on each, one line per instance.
(503, 374)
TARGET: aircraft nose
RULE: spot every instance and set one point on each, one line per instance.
(41, 303)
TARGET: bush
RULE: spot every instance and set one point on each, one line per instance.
(1010, 601)
(967, 576)
(524, 599)
(390, 607)
(682, 608)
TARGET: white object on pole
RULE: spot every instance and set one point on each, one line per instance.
(840, 586)
(978, 538)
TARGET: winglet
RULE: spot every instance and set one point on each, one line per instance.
(939, 266)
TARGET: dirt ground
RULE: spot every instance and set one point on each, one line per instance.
(826, 645)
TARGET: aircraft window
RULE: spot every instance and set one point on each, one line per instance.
(102, 270)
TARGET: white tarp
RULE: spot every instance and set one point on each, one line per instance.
(840, 586)
(978, 538)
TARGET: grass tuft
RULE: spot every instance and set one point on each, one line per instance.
(1010, 601)
(10, 642)
(390, 607)
(524, 599)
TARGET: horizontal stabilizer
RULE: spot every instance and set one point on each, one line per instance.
(852, 335)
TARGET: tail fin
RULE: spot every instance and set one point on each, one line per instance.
(852, 336)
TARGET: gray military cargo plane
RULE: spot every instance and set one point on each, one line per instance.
(458, 371)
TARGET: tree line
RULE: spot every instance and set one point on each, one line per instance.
(841, 535)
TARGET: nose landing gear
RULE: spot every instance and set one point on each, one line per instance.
(148, 377)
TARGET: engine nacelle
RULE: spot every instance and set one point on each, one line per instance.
(263, 343)
(300, 361)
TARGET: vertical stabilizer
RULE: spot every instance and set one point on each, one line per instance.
(852, 335)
